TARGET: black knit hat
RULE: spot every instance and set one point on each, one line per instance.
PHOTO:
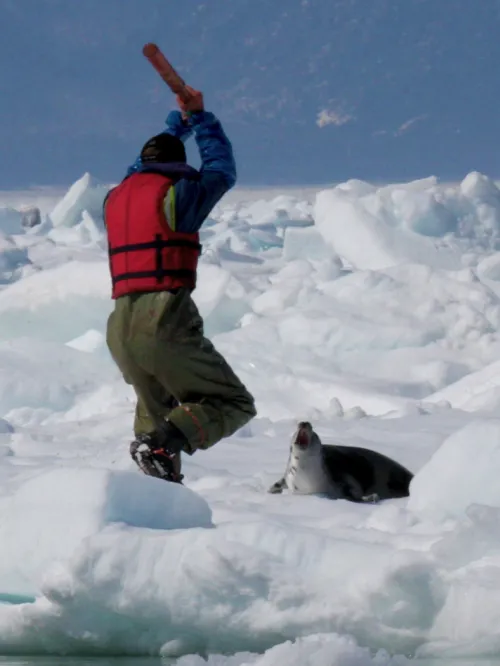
(163, 148)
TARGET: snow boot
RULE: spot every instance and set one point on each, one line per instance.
(155, 453)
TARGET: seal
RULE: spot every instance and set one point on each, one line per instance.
(340, 472)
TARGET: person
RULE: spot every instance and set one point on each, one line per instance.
(188, 397)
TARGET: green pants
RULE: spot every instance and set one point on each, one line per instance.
(157, 341)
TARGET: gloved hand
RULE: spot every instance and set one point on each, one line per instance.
(177, 126)
(193, 104)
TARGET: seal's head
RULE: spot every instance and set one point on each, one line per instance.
(305, 441)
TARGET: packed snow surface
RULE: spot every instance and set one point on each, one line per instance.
(373, 312)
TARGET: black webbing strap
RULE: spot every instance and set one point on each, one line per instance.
(181, 272)
(154, 245)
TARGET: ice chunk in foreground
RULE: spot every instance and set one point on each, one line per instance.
(74, 294)
(324, 650)
(89, 342)
(476, 390)
(315, 650)
(86, 232)
(50, 515)
(478, 187)
(307, 243)
(489, 267)
(363, 233)
(282, 210)
(84, 194)
(463, 471)
(38, 375)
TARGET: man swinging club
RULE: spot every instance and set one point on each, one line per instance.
(188, 398)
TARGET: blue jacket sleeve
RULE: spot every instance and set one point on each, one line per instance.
(176, 127)
(194, 200)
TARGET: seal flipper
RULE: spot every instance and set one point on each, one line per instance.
(371, 499)
(277, 487)
(352, 490)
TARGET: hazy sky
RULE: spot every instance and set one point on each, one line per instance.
(309, 90)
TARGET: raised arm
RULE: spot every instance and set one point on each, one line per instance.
(194, 200)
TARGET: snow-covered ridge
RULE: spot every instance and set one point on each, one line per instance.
(372, 311)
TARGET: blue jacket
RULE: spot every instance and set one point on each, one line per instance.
(195, 193)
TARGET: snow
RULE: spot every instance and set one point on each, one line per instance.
(76, 504)
(441, 490)
(373, 312)
(91, 342)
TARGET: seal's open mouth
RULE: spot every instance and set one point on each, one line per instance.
(303, 438)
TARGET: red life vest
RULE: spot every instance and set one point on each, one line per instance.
(145, 254)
